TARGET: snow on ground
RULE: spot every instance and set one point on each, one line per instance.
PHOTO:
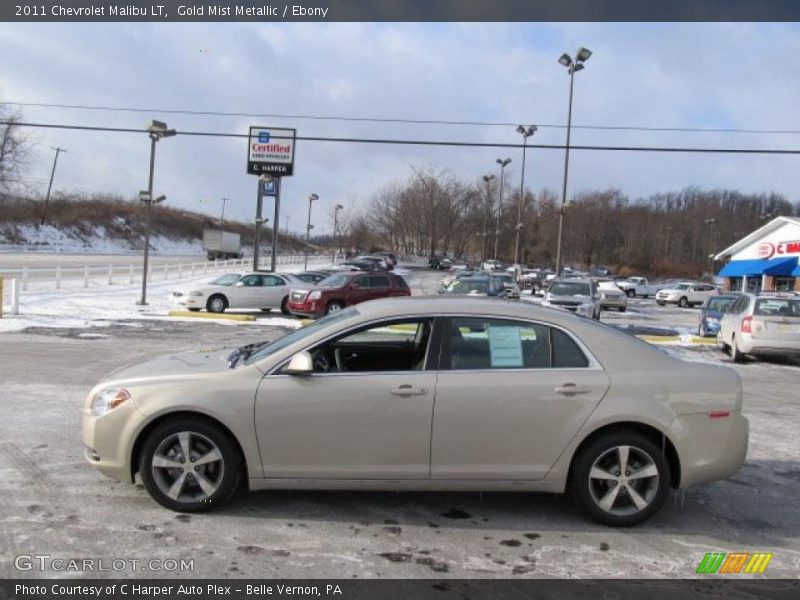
(102, 305)
(46, 238)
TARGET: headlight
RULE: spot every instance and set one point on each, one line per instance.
(315, 295)
(712, 321)
(195, 293)
(106, 400)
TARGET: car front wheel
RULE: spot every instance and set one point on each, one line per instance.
(216, 304)
(631, 293)
(621, 479)
(189, 465)
(333, 306)
(683, 302)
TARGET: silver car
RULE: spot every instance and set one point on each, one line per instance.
(761, 325)
(576, 294)
(424, 394)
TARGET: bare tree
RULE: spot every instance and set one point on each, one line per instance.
(14, 150)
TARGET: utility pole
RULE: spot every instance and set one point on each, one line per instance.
(309, 227)
(222, 214)
(58, 150)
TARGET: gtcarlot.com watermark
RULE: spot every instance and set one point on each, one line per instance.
(47, 562)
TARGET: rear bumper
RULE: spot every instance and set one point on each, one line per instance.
(750, 345)
(709, 449)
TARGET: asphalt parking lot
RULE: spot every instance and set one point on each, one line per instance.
(52, 503)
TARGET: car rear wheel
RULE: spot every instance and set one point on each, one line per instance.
(736, 354)
(621, 479)
(189, 465)
(216, 304)
(683, 302)
(333, 306)
(285, 306)
(660, 302)
(631, 293)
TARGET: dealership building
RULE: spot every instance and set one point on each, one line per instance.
(767, 259)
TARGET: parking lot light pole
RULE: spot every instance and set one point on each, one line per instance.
(573, 66)
(526, 132)
(711, 242)
(309, 227)
(336, 245)
(503, 164)
(156, 130)
(487, 178)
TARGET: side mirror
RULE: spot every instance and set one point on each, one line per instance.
(300, 364)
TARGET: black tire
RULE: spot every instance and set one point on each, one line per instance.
(736, 354)
(654, 490)
(225, 473)
(622, 308)
(631, 293)
(194, 310)
(285, 306)
(217, 304)
(333, 306)
(660, 302)
(683, 302)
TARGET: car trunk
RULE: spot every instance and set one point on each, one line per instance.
(776, 328)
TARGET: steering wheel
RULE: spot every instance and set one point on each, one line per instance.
(321, 363)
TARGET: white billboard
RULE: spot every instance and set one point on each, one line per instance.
(270, 151)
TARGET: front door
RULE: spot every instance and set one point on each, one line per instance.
(510, 397)
(364, 413)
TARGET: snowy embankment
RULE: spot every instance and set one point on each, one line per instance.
(72, 240)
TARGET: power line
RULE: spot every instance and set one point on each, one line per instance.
(211, 113)
(411, 142)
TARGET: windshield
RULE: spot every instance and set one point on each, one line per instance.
(301, 333)
(681, 286)
(720, 304)
(334, 281)
(228, 279)
(466, 286)
(777, 307)
(570, 288)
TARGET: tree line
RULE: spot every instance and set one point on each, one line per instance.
(670, 233)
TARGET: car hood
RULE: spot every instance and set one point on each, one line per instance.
(576, 299)
(185, 364)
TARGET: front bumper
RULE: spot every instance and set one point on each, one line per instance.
(108, 440)
(313, 309)
(710, 449)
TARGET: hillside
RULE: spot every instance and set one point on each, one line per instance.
(107, 224)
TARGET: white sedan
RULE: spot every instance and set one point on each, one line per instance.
(264, 291)
(686, 293)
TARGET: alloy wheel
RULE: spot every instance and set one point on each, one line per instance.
(187, 467)
(623, 481)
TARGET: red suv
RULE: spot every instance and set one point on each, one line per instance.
(343, 289)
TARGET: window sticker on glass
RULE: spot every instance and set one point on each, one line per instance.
(505, 347)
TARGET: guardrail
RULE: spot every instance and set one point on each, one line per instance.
(128, 274)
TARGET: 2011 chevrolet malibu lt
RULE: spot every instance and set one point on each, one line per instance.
(424, 394)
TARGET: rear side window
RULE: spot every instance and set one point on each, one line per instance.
(473, 343)
(399, 282)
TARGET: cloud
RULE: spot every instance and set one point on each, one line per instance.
(664, 75)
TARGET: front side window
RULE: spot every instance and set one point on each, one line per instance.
(251, 281)
(399, 345)
(474, 343)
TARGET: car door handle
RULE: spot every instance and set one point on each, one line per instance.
(409, 390)
(570, 389)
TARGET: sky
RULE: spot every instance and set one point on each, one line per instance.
(670, 75)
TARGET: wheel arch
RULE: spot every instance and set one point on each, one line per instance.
(184, 414)
(654, 434)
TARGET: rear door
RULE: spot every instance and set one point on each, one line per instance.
(509, 398)
(379, 286)
(273, 291)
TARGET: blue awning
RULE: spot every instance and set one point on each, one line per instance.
(776, 266)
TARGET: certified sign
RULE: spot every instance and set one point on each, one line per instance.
(271, 151)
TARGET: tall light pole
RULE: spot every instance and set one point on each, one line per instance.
(336, 210)
(487, 178)
(526, 132)
(573, 66)
(503, 164)
(309, 227)
(50, 185)
(156, 130)
(712, 242)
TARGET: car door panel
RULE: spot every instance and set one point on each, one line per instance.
(346, 426)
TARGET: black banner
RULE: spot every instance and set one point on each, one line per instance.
(400, 10)
(397, 589)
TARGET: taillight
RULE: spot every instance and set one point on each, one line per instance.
(747, 324)
(719, 414)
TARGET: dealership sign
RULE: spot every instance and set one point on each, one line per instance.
(271, 151)
(768, 249)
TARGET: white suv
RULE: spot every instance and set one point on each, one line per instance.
(686, 293)
(764, 324)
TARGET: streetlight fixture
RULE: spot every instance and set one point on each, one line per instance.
(309, 227)
(486, 178)
(573, 65)
(526, 132)
(503, 164)
(156, 130)
(336, 210)
(50, 185)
